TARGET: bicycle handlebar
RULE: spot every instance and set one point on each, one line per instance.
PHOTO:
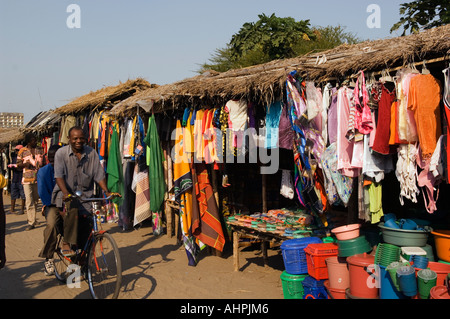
(90, 200)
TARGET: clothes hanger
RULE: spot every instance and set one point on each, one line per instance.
(413, 68)
(424, 68)
(386, 77)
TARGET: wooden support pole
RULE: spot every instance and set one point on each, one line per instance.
(236, 250)
(264, 193)
(169, 219)
(264, 252)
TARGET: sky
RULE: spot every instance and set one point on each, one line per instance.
(45, 62)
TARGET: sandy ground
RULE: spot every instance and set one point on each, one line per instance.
(153, 268)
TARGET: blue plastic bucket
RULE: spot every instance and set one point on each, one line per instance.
(408, 224)
(294, 256)
(387, 287)
(420, 262)
(407, 280)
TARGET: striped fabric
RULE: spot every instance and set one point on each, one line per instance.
(206, 225)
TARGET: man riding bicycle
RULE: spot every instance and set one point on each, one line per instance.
(77, 167)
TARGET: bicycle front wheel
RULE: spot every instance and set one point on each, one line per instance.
(104, 268)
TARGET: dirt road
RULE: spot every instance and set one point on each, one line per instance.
(153, 268)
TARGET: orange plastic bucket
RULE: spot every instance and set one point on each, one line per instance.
(338, 274)
(442, 270)
(363, 281)
(442, 242)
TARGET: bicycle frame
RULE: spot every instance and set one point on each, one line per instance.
(94, 231)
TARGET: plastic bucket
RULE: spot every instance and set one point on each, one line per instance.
(391, 223)
(408, 224)
(389, 216)
(442, 242)
(388, 287)
(407, 280)
(442, 270)
(439, 292)
(392, 270)
(292, 285)
(333, 292)
(420, 262)
(426, 279)
(338, 274)
(362, 276)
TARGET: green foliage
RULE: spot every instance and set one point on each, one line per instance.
(273, 38)
(326, 38)
(423, 14)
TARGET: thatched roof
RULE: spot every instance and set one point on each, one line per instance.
(104, 97)
(40, 123)
(263, 83)
(11, 135)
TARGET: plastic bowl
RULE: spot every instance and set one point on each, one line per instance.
(442, 242)
(404, 237)
(347, 232)
(359, 245)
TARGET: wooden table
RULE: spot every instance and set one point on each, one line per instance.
(264, 236)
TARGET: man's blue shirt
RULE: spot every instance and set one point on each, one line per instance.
(46, 182)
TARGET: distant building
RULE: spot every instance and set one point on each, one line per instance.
(11, 119)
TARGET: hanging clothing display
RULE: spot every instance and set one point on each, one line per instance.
(183, 188)
(272, 124)
(424, 98)
(206, 225)
(140, 186)
(114, 169)
(155, 166)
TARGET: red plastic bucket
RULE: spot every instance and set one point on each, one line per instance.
(363, 281)
(439, 292)
(338, 274)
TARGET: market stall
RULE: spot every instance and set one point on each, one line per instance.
(288, 150)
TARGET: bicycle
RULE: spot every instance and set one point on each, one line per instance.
(98, 262)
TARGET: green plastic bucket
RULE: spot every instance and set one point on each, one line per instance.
(426, 279)
(292, 285)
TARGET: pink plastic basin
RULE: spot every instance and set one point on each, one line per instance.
(347, 232)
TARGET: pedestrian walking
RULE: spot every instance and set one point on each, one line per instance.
(16, 182)
(30, 159)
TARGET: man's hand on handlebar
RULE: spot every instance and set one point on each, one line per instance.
(112, 195)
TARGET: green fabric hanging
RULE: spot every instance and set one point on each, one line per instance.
(114, 168)
(157, 182)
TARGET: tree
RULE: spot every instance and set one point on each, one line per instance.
(257, 43)
(422, 14)
(272, 35)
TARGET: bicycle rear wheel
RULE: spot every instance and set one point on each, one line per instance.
(104, 268)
